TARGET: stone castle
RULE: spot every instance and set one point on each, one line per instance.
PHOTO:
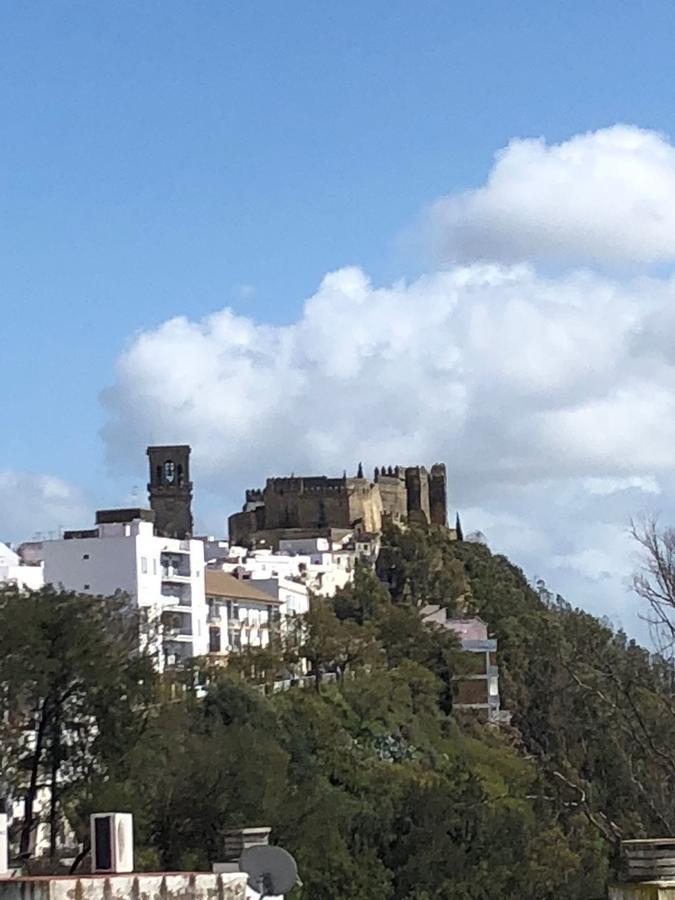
(286, 507)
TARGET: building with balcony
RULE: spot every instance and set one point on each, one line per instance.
(162, 576)
(478, 685)
(240, 615)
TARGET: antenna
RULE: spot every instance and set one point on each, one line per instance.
(271, 870)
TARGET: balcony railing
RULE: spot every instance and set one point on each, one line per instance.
(171, 573)
(176, 599)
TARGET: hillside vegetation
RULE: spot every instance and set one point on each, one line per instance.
(378, 788)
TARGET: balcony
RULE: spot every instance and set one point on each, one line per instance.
(215, 615)
(176, 601)
(177, 634)
(176, 626)
(176, 595)
(170, 573)
(175, 566)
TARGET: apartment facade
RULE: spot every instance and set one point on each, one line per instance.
(240, 614)
(164, 577)
(478, 686)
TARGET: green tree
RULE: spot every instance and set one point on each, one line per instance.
(73, 685)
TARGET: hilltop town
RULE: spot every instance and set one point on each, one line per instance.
(211, 597)
(343, 674)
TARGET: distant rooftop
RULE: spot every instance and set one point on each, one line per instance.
(221, 584)
(117, 516)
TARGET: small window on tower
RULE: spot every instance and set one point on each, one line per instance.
(169, 471)
(179, 470)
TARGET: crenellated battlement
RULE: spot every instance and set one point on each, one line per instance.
(395, 472)
(396, 493)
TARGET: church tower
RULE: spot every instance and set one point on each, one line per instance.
(170, 490)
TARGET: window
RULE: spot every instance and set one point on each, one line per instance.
(85, 556)
(144, 565)
(169, 471)
(214, 640)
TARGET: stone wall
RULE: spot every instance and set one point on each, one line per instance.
(417, 487)
(438, 495)
(393, 492)
(320, 502)
(306, 503)
(365, 504)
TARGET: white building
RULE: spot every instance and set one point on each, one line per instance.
(322, 566)
(14, 571)
(240, 615)
(292, 596)
(164, 576)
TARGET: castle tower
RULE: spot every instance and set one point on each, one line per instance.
(438, 502)
(417, 489)
(170, 490)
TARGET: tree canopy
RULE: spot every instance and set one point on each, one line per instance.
(374, 781)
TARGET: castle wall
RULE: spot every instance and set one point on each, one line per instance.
(319, 503)
(306, 503)
(393, 494)
(241, 527)
(417, 487)
(438, 502)
(365, 504)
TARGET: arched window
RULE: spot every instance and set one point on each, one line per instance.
(179, 471)
(169, 471)
(158, 474)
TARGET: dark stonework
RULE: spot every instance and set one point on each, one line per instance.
(170, 490)
(314, 504)
(438, 495)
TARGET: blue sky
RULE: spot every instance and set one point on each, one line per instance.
(165, 159)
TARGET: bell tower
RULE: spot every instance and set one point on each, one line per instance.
(170, 490)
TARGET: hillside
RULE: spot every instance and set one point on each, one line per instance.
(379, 788)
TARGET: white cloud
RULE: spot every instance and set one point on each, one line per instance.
(510, 376)
(606, 196)
(33, 504)
(551, 399)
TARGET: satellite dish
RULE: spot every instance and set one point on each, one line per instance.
(270, 870)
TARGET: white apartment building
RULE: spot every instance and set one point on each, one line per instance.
(292, 596)
(14, 571)
(322, 568)
(163, 576)
(240, 615)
